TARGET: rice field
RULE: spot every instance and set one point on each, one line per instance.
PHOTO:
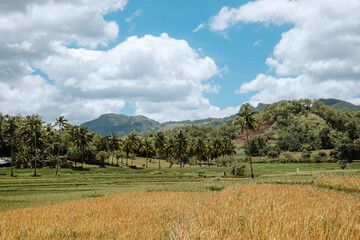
(347, 184)
(238, 212)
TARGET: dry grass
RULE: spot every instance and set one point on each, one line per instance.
(347, 184)
(238, 212)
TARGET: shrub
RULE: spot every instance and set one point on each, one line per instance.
(273, 154)
(322, 154)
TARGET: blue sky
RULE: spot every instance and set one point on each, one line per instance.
(241, 54)
(174, 60)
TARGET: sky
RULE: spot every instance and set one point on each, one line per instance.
(174, 60)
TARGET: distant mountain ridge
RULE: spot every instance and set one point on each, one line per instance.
(340, 105)
(123, 125)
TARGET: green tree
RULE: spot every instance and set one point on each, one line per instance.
(247, 121)
(147, 148)
(12, 125)
(160, 144)
(81, 138)
(61, 122)
(114, 145)
(32, 131)
(181, 147)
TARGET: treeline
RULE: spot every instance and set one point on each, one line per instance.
(32, 143)
(304, 126)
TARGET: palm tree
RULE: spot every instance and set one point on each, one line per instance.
(12, 125)
(130, 143)
(81, 138)
(61, 122)
(199, 148)
(32, 133)
(181, 146)
(160, 143)
(247, 121)
(114, 144)
(147, 148)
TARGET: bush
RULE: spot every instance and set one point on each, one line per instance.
(322, 154)
(238, 171)
(306, 154)
(273, 154)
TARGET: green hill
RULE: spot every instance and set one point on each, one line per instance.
(121, 124)
(340, 105)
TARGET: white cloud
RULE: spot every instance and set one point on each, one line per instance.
(318, 57)
(199, 27)
(137, 13)
(164, 77)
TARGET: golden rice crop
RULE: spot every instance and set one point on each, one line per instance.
(348, 184)
(275, 212)
(126, 216)
(238, 212)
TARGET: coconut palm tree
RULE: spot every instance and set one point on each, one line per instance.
(81, 137)
(61, 122)
(247, 121)
(160, 144)
(147, 148)
(181, 147)
(32, 131)
(199, 147)
(114, 144)
(12, 125)
(130, 144)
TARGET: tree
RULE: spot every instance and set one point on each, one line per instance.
(130, 143)
(114, 144)
(81, 137)
(245, 118)
(61, 122)
(147, 148)
(181, 147)
(160, 144)
(12, 124)
(32, 133)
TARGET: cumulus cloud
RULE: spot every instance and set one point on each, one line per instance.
(318, 57)
(153, 72)
(163, 77)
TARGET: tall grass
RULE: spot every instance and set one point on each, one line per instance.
(238, 212)
(347, 184)
(275, 212)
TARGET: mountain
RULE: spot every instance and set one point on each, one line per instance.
(121, 124)
(340, 105)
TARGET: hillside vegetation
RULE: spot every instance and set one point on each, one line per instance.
(122, 125)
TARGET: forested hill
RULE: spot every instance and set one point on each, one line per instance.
(123, 125)
(340, 105)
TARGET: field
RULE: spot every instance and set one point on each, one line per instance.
(319, 202)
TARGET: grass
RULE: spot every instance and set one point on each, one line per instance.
(347, 184)
(26, 191)
(237, 212)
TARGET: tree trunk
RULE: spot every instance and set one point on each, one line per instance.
(159, 163)
(35, 157)
(247, 144)
(112, 158)
(82, 156)
(12, 159)
(58, 158)
(146, 162)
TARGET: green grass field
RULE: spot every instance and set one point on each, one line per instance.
(24, 190)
